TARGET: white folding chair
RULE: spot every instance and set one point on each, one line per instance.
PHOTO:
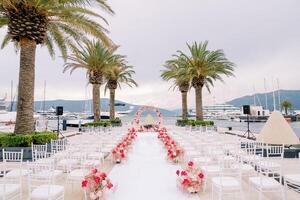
(38, 151)
(269, 179)
(14, 158)
(10, 188)
(40, 183)
(229, 181)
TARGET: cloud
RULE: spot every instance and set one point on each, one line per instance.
(261, 37)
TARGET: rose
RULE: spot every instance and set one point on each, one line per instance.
(190, 164)
(201, 175)
(94, 171)
(103, 175)
(185, 182)
(183, 173)
(84, 183)
(177, 172)
(109, 185)
(97, 179)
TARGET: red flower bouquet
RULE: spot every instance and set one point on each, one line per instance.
(119, 152)
(95, 184)
(191, 178)
(175, 153)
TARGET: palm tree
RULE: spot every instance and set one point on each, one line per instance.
(205, 67)
(286, 105)
(35, 22)
(96, 59)
(177, 72)
(115, 76)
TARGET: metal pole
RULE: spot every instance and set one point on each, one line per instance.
(57, 124)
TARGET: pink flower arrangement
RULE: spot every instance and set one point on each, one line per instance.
(191, 178)
(175, 153)
(119, 152)
(96, 183)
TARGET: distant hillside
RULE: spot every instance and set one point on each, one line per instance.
(292, 96)
(82, 106)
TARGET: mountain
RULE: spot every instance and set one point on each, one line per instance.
(292, 96)
(86, 105)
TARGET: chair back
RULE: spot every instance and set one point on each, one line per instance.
(58, 145)
(38, 151)
(275, 151)
(12, 156)
(41, 173)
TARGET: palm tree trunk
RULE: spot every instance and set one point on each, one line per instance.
(184, 105)
(199, 109)
(96, 102)
(286, 110)
(25, 107)
(112, 104)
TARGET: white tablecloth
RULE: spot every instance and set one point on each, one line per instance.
(146, 175)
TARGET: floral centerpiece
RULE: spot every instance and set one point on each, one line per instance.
(191, 178)
(175, 153)
(120, 151)
(96, 184)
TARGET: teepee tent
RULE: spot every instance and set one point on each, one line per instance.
(149, 120)
(277, 131)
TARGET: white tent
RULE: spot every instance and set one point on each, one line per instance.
(149, 120)
(277, 131)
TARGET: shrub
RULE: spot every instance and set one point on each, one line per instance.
(116, 122)
(13, 140)
(191, 122)
(112, 122)
(97, 124)
(44, 137)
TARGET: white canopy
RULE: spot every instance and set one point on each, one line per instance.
(277, 131)
(149, 120)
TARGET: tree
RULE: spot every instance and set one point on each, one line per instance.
(177, 71)
(35, 22)
(115, 76)
(204, 67)
(96, 59)
(286, 105)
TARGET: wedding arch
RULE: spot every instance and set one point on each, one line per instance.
(137, 117)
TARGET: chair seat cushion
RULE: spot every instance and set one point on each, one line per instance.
(293, 178)
(78, 174)
(41, 192)
(226, 183)
(67, 162)
(264, 182)
(211, 169)
(9, 189)
(45, 174)
(202, 160)
(15, 173)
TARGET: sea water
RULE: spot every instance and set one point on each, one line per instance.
(255, 127)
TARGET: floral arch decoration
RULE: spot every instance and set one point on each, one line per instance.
(137, 117)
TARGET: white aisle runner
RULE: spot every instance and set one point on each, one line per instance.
(146, 175)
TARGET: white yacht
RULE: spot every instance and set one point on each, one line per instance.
(219, 112)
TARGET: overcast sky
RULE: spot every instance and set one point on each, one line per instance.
(262, 37)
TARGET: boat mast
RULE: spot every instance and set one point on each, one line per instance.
(279, 97)
(44, 100)
(266, 95)
(254, 95)
(11, 95)
(274, 100)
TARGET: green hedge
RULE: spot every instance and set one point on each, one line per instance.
(191, 122)
(112, 122)
(96, 124)
(13, 140)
